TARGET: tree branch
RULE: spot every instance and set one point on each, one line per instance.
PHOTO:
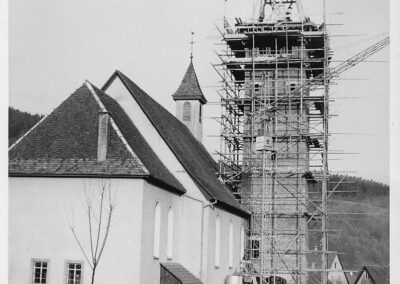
(106, 233)
(80, 246)
(100, 220)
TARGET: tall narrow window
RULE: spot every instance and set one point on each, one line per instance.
(157, 224)
(74, 273)
(230, 252)
(39, 272)
(217, 240)
(186, 111)
(241, 242)
(200, 114)
(170, 240)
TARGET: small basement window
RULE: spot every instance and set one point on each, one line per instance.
(39, 272)
(74, 273)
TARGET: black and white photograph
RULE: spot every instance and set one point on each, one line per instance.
(187, 141)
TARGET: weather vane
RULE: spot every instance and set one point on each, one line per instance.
(191, 45)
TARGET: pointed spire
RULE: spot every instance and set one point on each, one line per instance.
(189, 88)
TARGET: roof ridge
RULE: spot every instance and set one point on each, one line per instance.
(114, 126)
(27, 133)
(30, 130)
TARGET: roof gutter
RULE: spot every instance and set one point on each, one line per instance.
(211, 203)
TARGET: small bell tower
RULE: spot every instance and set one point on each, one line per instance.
(190, 100)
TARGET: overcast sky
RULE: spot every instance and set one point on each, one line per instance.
(56, 45)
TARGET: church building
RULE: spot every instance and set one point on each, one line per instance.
(171, 216)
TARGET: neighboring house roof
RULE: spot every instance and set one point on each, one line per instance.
(65, 144)
(189, 88)
(180, 273)
(316, 258)
(378, 274)
(351, 277)
(191, 153)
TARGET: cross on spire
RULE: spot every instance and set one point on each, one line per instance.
(191, 45)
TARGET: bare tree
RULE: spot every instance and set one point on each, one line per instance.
(99, 210)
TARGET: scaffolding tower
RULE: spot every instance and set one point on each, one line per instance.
(274, 139)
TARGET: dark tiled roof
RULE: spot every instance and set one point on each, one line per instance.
(379, 274)
(192, 155)
(180, 273)
(189, 87)
(65, 144)
(315, 257)
(351, 277)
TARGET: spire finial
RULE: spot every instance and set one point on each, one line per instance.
(191, 45)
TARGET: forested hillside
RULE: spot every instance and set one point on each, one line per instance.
(19, 123)
(359, 211)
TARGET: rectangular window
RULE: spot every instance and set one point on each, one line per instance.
(255, 249)
(74, 273)
(230, 252)
(39, 272)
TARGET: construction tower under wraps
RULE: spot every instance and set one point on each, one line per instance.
(275, 110)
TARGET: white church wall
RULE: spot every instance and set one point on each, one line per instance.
(150, 272)
(216, 275)
(187, 237)
(40, 213)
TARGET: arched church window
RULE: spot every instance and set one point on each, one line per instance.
(230, 251)
(217, 241)
(157, 231)
(241, 242)
(186, 111)
(170, 234)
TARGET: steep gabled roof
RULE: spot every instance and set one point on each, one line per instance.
(315, 257)
(351, 277)
(378, 274)
(191, 153)
(65, 144)
(189, 89)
